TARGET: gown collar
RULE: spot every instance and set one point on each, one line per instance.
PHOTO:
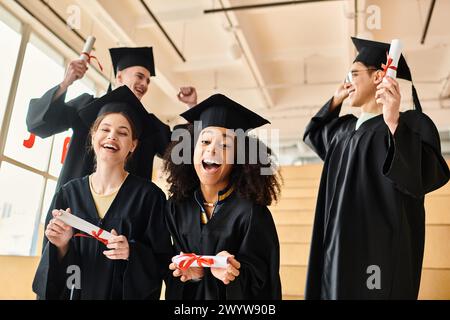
(222, 196)
(365, 116)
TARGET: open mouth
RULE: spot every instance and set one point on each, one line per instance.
(140, 91)
(351, 92)
(110, 147)
(210, 166)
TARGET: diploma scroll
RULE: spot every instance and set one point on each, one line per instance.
(85, 54)
(186, 260)
(82, 225)
(395, 51)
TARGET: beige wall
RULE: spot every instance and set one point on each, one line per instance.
(16, 277)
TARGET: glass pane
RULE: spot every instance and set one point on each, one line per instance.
(19, 203)
(48, 197)
(60, 146)
(8, 56)
(79, 87)
(62, 139)
(42, 69)
(36, 245)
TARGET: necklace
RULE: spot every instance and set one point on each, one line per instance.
(209, 204)
(204, 216)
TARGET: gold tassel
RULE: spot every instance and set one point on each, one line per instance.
(203, 217)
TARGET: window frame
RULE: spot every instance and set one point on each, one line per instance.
(26, 32)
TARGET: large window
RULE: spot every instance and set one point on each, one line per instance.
(10, 34)
(42, 69)
(29, 165)
(21, 193)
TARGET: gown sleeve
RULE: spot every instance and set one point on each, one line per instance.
(322, 128)
(414, 162)
(259, 256)
(148, 263)
(51, 275)
(46, 117)
(162, 136)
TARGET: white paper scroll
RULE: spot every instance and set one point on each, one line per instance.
(202, 261)
(87, 48)
(83, 225)
(395, 52)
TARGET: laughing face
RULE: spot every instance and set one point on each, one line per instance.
(113, 139)
(214, 156)
(363, 84)
(136, 78)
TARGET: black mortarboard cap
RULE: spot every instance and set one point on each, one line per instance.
(121, 100)
(126, 57)
(374, 54)
(220, 111)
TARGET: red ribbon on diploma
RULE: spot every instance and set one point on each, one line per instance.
(65, 149)
(92, 57)
(388, 64)
(95, 235)
(191, 258)
(30, 142)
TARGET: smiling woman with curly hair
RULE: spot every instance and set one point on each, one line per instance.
(249, 183)
(218, 205)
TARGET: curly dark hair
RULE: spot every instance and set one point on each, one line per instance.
(247, 179)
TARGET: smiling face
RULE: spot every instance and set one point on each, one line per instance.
(214, 156)
(112, 139)
(363, 84)
(136, 78)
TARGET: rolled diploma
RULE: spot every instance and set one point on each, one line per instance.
(219, 261)
(88, 47)
(394, 53)
(82, 225)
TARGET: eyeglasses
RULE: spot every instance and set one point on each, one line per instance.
(353, 73)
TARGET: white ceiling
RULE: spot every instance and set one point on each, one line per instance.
(283, 62)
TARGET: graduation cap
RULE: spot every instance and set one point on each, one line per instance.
(220, 111)
(121, 100)
(374, 54)
(126, 57)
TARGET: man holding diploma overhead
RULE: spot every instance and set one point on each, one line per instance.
(50, 114)
(369, 227)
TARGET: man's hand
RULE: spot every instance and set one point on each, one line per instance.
(388, 94)
(340, 95)
(188, 95)
(75, 71)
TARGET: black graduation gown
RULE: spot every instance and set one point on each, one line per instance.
(238, 226)
(46, 118)
(137, 212)
(370, 206)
